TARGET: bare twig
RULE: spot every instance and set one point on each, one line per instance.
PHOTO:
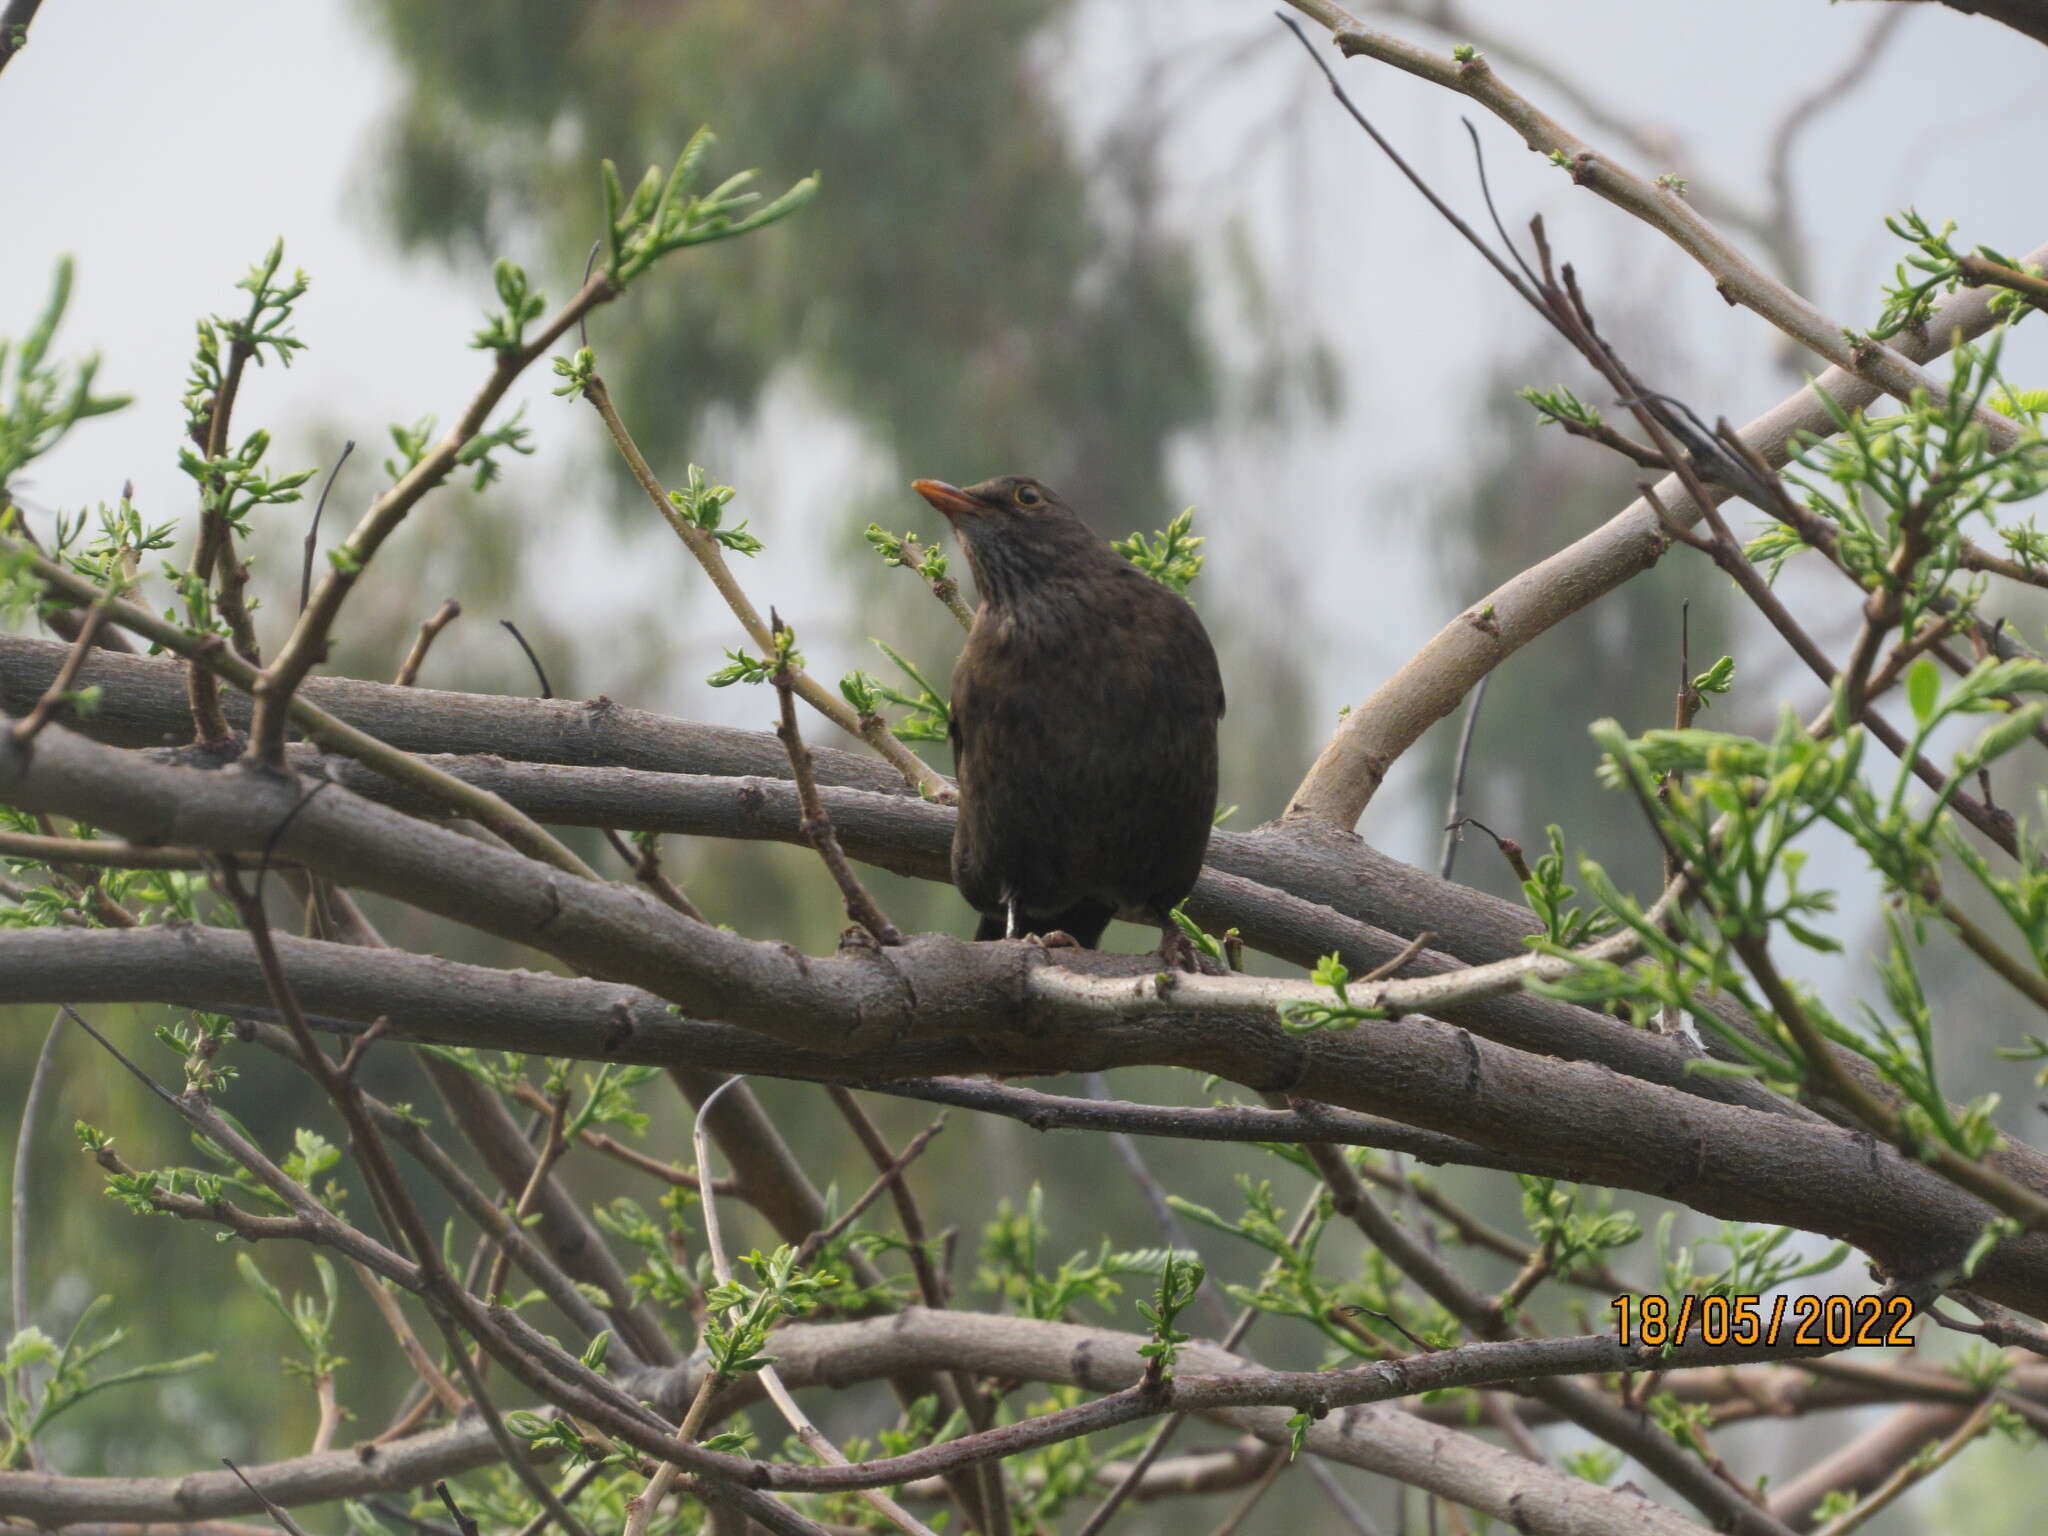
(313, 528)
(1801, 115)
(1447, 854)
(106, 852)
(547, 690)
(885, 1183)
(1915, 1469)
(409, 670)
(276, 1512)
(438, 1385)
(860, 906)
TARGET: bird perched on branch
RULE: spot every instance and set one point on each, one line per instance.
(1084, 718)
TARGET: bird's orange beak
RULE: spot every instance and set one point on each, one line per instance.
(949, 499)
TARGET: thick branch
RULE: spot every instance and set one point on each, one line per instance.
(809, 1018)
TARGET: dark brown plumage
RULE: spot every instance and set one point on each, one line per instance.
(1084, 718)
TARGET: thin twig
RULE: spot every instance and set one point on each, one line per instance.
(1915, 1469)
(884, 1182)
(547, 690)
(817, 823)
(313, 528)
(409, 670)
(1447, 854)
(24, 1150)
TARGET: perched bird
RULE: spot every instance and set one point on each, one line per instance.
(1084, 718)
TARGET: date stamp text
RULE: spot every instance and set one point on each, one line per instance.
(1812, 1322)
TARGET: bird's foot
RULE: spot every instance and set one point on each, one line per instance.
(1177, 952)
(1059, 938)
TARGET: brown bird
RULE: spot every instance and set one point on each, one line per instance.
(1084, 718)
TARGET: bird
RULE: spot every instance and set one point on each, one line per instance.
(1083, 720)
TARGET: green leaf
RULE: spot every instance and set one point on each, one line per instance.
(1923, 688)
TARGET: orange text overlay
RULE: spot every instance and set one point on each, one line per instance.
(1811, 1322)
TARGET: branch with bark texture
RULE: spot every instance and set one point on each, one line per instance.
(814, 1020)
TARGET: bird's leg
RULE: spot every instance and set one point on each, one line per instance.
(1176, 950)
(1010, 911)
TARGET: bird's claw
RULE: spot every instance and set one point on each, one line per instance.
(1177, 952)
(1059, 938)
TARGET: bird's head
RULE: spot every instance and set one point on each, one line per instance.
(1016, 532)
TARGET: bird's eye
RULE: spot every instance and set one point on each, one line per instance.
(1027, 496)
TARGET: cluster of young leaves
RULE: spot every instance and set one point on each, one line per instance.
(1169, 557)
(1595, 1464)
(1291, 1286)
(665, 215)
(1308, 1017)
(1562, 407)
(310, 1318)
(932, 564)
(1068, 1470)
(1204, 942)
(1734, 810)
(1179, 1279)
(312, 1155)
(661, 1277)
(234, 481)
(1011, 1267)
(738, 1316)
(744, 667)
(1936, 270)
(41, 1379)
(519, 305)
(260, 330)
(1566, 925)
(1757, 1259)
(237, 482)
(1573, 1230)
(197, 1042)
(105, 546)
(703, 505)
(41, 400)
(481, 453)
(1927, 473)
(930, 717)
